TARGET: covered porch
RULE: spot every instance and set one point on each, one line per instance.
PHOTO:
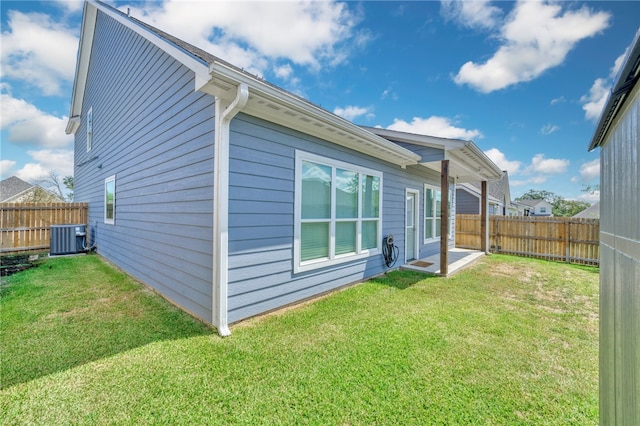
(457, 260)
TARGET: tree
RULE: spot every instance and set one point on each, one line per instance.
(561, 207)
(68, 182)
(53, 184)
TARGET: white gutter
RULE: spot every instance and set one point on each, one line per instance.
(220, 277)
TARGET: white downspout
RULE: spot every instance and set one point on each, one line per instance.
(224, 114)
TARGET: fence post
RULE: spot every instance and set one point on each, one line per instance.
(567, 241)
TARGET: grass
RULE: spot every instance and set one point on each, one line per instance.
(509, 341)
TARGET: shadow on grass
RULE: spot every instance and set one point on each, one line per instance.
(401, 279)
(72, 311)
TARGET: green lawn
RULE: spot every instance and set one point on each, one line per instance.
(509, 341)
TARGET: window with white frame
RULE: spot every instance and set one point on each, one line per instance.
(89, 129)
(433, 213)
(338, 216)
(110, 200)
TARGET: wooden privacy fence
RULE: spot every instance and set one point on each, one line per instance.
(572, 240)
(25, 226)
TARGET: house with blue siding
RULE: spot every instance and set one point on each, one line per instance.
(232, 197)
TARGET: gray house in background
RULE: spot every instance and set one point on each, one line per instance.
(469, 197)
(232, 197)
(15, 190)
(618, 137)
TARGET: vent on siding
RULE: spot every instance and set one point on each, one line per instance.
(67, 239)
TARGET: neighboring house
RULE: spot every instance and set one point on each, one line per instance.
(618, 137)
(233, 197)
(536, 207)
(469, 200)
(591, 212)
(15, 190)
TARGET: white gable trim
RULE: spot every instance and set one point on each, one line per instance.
(91, 8)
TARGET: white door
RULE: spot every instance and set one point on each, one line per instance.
(411, 229)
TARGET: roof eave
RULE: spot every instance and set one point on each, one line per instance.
(271, 102)
(625, 82)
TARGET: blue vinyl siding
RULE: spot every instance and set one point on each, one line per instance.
(466, 203)
(261, 217)
(156, 135)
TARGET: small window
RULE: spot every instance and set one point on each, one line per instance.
(338, 215)
(89, 129)
(110, 200)
(543, 209)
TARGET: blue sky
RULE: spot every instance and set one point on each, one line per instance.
(524, 80)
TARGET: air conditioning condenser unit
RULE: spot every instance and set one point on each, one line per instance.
(67, 239)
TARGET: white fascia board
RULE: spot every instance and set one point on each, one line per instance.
(84, 55)
(82, 66)
(224, 75)
(200, 68)
(416, 139)
(494, 172)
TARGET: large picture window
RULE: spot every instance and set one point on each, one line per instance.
(337, 211)
(110, 200)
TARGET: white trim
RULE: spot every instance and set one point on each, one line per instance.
(435, 228)
(110, 221)
(224, 113)
(416, 221)
(333, 259)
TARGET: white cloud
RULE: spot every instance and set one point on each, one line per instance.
(559, 100)
(539, 164)
(590, 197)
(472, 14)
(547, 129)
(58, 160)
(536, 36)
(28, 125)
(6, 166)
(590, 170)
(70, 6)
(594, 102)
(306, 33)
(352, 112)
(39, 51)
(501, 160)
(283, 71)
(442, 127)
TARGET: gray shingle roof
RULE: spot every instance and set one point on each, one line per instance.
(12, 186)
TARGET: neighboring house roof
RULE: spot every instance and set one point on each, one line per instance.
(591, 212)
(533, 202)
(15, 190)
(12, 187)
(497, 189)
(473, 189)
(267, 101)
(627, 79)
